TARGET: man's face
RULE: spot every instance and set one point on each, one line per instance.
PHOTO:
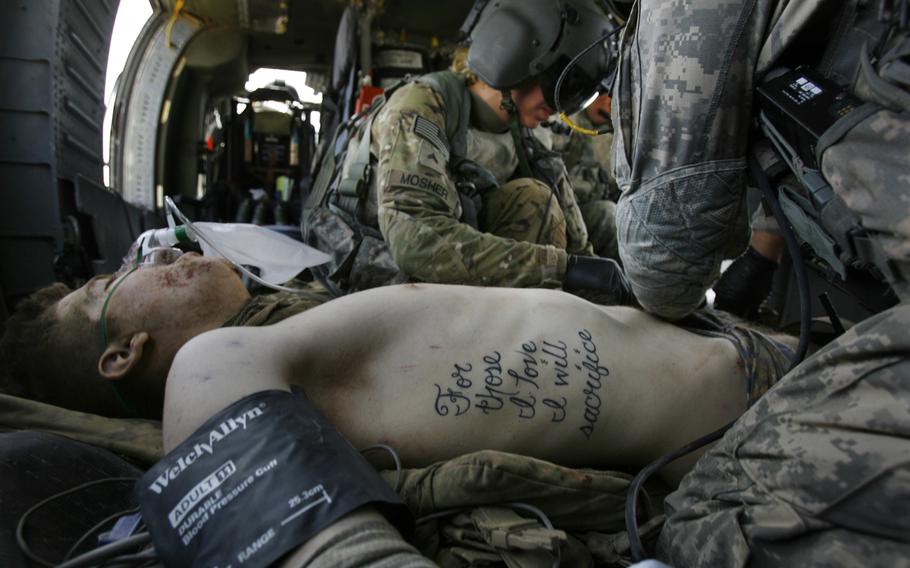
(177, 298)
(532, 108)
(599, 110)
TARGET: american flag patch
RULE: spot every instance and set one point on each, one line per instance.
(430, 132)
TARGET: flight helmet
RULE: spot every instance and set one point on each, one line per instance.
(514, 42)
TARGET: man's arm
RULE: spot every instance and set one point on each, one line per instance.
(681, 113)
(419, 207)
(213, 371)
(219, 368)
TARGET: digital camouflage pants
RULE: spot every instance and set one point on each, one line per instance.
(817, 472)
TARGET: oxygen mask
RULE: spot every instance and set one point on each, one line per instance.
(160, 256)
(155, 256)
(276, 258)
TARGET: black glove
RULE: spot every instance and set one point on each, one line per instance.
(471, 174)
(601, 278)
(745, 285)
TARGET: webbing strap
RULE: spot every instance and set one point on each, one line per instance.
(454, 92)
(870, 251)
(358, 175)
(802, 217)
(524, 168)
(317, 195)
(842, 127)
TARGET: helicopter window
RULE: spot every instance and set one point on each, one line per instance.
(131, 16)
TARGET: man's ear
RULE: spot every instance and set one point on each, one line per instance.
(122, 356)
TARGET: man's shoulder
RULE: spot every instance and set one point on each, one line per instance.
(417, 97)
(220, 347)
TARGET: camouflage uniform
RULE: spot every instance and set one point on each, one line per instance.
(134, 438)
(271, 308)
(587, 160)
(681, 111)
(816, 472)
(523, 237)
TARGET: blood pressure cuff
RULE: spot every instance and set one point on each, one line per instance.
(261, 477)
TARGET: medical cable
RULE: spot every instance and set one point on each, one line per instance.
(96, 528)
(113, 552)
(802, 281)
(398, 469)
(537, 512)
(111, 555)
(546, 522)
(134, 563)
(635, 546)
(449, 512)
(796, 258)
(20, 526)
(202, 237)
(142, 558)
(574, 61)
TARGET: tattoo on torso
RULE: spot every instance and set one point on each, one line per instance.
(485, 386)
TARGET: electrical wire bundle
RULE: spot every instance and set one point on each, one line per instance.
(134, 551)
(130, 552)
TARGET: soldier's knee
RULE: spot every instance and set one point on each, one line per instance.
(599, 211)
(530, 190)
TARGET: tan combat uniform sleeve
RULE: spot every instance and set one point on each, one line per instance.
(419, 208)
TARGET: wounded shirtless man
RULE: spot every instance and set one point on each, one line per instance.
(537, 372)
(433, 371)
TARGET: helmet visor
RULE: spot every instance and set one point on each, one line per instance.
(578, 87)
